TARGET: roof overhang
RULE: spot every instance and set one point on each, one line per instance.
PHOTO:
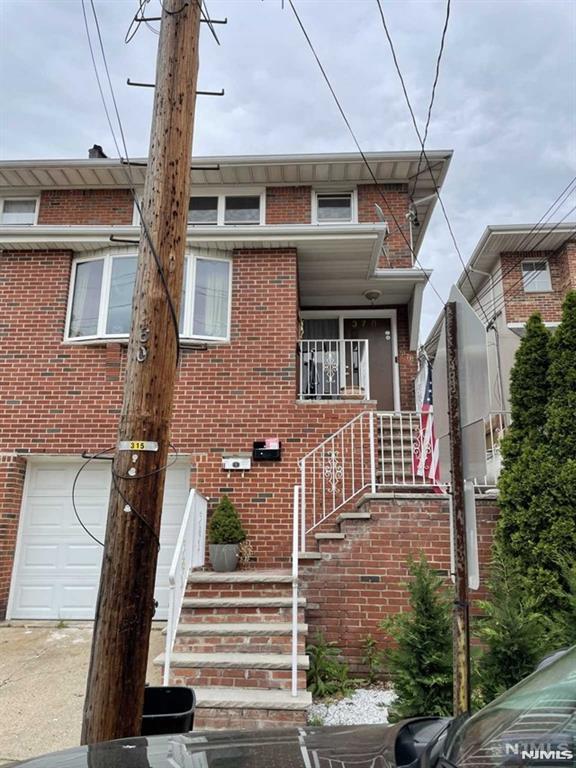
(343, 169)
(498, 239)
(336, 264)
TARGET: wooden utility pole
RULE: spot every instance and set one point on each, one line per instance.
(125, 607)
(461, 628)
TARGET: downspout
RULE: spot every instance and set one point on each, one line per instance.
(492, 326)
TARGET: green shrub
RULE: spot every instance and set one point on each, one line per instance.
(421, 661)
(372, 658)
(514, 633)
(225, 526)
(327, 674)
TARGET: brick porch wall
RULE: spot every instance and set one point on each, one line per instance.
(398, 201)
(364, 579)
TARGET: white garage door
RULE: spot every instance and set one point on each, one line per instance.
(58, 564)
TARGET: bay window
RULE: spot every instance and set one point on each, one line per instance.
(100, 304)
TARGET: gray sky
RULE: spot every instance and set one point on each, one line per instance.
(506, 100)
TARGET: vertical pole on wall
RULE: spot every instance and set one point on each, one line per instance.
(372, 454)
(461, 625)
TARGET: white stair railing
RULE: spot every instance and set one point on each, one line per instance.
(189, 553)
(296, 516)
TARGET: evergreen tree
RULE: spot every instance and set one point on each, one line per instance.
(528, 390)
(537, 527)
(561, 410)
(513, 631)
(225, 526)
(421, 661)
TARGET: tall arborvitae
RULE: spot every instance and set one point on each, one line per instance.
(528, 390)
(537, 527)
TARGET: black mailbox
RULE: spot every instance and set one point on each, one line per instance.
(267, 450)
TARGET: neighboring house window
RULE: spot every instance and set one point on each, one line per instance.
(20, 211)
(334, 207)
(225, 209)
(102, 288)
(536, 276)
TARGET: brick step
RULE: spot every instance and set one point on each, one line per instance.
(240, 602)
(248, 670)
(240, 584)
(239, 638)
(248, 708)
(240, 677)
(232, 615)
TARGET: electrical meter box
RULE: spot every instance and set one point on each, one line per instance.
(236, 462)
(267, 450)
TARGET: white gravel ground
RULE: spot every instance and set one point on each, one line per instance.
(363, 707)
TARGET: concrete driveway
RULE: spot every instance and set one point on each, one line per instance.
(43, 669)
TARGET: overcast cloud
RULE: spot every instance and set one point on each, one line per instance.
(506, 100)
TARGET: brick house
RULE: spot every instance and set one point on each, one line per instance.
(515, 271)
(300, 323)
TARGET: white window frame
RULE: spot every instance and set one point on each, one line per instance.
(343, 191)
(528, 281)
(20, 198)
(222, 194)
(192, 255)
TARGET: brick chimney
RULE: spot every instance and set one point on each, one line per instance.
(96, 152)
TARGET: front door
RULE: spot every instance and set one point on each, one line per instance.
(378, 332)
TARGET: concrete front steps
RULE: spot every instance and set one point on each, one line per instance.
(234, 647)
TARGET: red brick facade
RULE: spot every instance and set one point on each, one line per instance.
(521, 304)
(58, 398)
(288, 205)
(86, 206)
(397, 202)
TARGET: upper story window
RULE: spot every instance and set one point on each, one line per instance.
(536, 276)
(225, 209)
(100, 302)
(334, 207)
(18, 210)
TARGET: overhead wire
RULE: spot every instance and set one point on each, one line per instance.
(420, 139)
(126, 164)
(433, 93)
(361, 151)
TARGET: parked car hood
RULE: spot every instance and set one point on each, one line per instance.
(359, 746)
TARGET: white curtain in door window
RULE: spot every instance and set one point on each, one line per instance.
(211, 297)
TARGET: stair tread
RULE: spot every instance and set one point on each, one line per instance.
(310, 555)
(241, 577)
(354, 516)
(242, 628)
(250, 698)
(328, 536)
(232, 660)
(240, 602)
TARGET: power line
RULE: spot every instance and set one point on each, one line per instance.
(433, 94)
(414, 122)
(360, 150)
(127, 167)
(536, 230)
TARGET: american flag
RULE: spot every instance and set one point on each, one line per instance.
(425, 455)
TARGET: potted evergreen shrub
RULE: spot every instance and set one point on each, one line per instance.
(225, 533)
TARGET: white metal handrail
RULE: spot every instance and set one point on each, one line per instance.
(296, 516)
(334, 368)
(378, 450)
(189, 552)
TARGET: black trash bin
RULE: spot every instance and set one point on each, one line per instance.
(168, 709)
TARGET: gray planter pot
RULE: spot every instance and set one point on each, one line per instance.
(224, 557)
